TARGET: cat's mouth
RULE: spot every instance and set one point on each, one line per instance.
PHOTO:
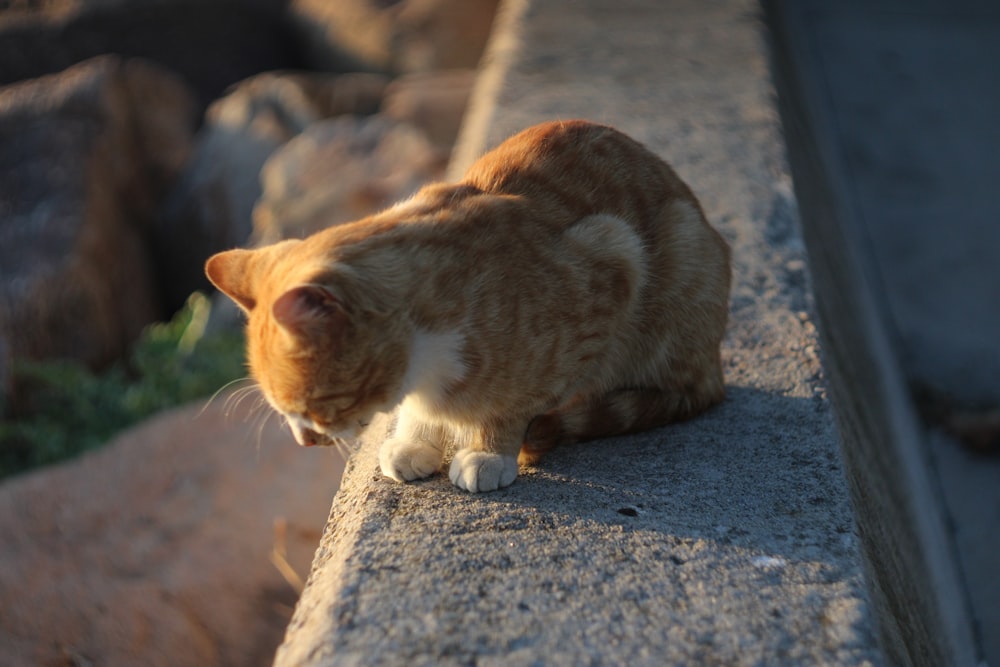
(310, 438)
(308, 435)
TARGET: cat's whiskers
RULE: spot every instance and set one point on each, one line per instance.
(236, 398)
(229, 396)
(261, 405)
(344, 447)
(261, 418)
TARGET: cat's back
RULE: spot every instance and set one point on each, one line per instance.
(581, 167)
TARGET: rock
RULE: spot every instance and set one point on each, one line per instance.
(160, 548)
(432, 101)
(433, 35)
(332, 33)
(387, 35)
(210, 208)
(288, 102)
(210, 43)
(85, 157)
(340, 170)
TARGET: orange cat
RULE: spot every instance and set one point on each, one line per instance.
(568, 288)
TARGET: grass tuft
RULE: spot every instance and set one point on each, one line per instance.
(65, 409)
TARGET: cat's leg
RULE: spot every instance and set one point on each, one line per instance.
(415, 450)
(489, 461)
(618, 412)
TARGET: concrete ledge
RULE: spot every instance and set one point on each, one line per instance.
(725, 540)
(889, 110)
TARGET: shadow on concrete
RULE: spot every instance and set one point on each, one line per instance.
(707, 535)
(754, 473)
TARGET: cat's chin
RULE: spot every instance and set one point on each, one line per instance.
(310, 438)
(316, 440)
(340, 439)
(308, 434)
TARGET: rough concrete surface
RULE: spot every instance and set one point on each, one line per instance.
(890, 108)
(724, 540)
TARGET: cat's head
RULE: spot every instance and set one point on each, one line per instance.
(324, 354)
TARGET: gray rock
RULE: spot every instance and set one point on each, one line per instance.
(432, 35)
(210, 208)
(85, 156)
(330, 34)
(288, 102)
(411, 36)
(341, 170)
(210, 43)
(432, 101)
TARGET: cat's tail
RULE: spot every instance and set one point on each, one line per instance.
(615, 413)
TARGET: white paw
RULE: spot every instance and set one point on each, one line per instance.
(404, 461)
(481, 471)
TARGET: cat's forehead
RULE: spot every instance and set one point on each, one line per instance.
(290, 267)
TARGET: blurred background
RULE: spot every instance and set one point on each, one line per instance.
(137, 138)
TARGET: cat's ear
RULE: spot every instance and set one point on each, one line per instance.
(229, 272)
(308, 308)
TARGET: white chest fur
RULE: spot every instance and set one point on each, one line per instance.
(436, 363)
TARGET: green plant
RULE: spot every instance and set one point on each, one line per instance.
(64, 409)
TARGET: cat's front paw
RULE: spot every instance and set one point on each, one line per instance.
(405, 461)
(481, 471)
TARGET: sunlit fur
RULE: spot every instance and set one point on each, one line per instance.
(567, 288)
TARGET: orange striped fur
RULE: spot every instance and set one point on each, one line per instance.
(568, 288)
